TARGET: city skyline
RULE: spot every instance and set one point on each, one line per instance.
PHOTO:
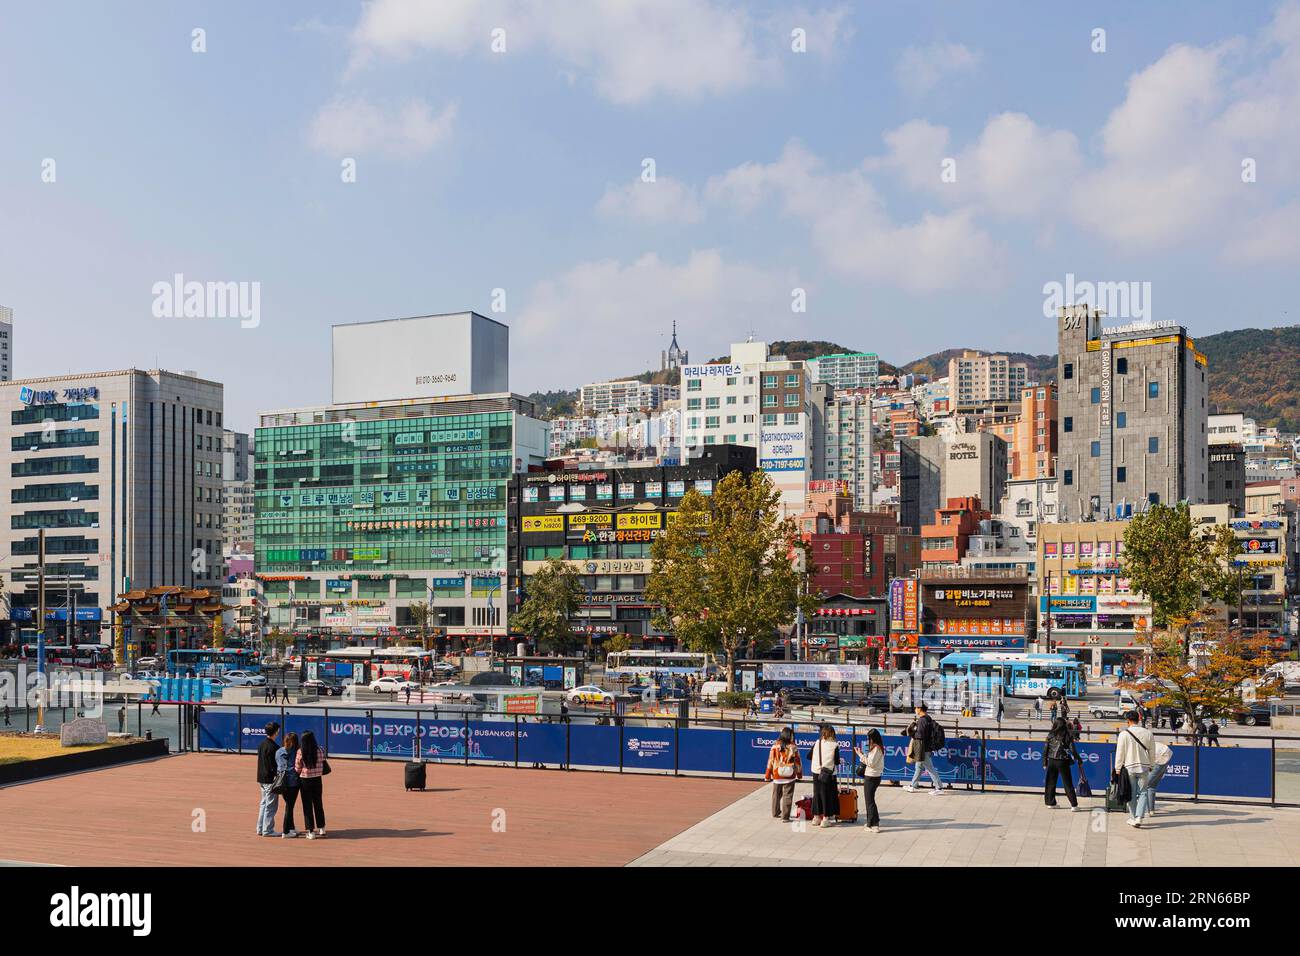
(515, 178)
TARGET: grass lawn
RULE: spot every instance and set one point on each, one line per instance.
(15, 748)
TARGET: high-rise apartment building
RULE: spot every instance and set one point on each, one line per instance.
(846, 370)
(845, 445)
(1133, 415)
(975, 378)
(123, 472)
(622, 397)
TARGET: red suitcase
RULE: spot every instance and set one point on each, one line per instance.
(803, 808)
(848, 805)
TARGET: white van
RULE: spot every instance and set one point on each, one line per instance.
(710, 690)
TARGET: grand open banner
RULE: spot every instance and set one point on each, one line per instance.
(706, 749)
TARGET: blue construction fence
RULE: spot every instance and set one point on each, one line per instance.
(717, 749)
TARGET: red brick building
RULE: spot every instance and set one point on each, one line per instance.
(944, 542)
(853, 553)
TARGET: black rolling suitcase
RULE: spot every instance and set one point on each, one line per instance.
(415, 775)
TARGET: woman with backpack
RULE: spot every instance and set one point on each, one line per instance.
(873, 769)
(823, 758)
(285, 759)
(1059, 755)
(312, 767)
(784, 769)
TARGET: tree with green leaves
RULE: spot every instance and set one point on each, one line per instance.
(553, 595)
(421, 614)
(1171, 560)
(722, 575)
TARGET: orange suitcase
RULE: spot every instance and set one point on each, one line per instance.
(848, 805)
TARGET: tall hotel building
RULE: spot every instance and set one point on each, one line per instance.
(123, 471)
(1132, 416)
(395, 493)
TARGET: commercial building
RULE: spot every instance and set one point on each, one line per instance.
(1227, 476)
(945, 540)
(975, 378)
(846, 443)
(962, 610)
(1030, 433)
(846, 370)
(1009, 539)
(1133, 415)
(934, 468)
(853, 552)
(601, 523)
(236, 456)
(603, 398)
(1086, 604)
(1261, 562)
(761, 401)
(365, 508)
(123, 471)
(6, 343)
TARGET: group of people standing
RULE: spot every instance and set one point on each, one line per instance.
(291, 770)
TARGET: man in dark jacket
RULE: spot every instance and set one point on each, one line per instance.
(266, 777)
(921, 731)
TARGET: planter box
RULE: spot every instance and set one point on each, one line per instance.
(85, 760)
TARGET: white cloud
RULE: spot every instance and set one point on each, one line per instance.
(622, 312)
(630, 51)
(356, 125)
(664, 201)
(921, 69)
(852, 231)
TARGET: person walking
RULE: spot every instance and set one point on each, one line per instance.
(1164, 753)
(922, 732)
(7, 715)
(310, 764)
(1001, 708)
(1052, 710)
(1186, 727)
(285, 758)
(155, 706)
(284, 691)
(1038, 708)
(873, 769)
(1211, 732)
(269, 696)
(1078, 728)
(784, 769)
(266, 752)
(823, 758)
(1059, 755)
(121, 719)
(1135, 752)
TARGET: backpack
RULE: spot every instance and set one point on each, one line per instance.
(936, 737)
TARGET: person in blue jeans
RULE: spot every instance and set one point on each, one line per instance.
(266, 752)
(921, 733)
(1163, 754)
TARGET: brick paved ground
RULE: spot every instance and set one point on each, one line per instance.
(141, 814)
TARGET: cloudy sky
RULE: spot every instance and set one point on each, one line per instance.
(920, 172)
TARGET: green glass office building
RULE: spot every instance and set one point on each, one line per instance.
(362, 510)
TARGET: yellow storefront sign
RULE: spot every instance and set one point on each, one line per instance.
(699, 520)
(543, 523)
(640, 519)
(589, 520)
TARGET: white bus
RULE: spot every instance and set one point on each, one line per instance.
(646, 663)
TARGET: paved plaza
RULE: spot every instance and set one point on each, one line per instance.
(969, 828)
(199, 809)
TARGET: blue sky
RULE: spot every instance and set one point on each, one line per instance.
(521, 170)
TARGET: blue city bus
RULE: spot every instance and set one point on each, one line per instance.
(1019, 675)
(207, 661)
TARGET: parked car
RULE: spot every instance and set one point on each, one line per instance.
(443, 667)
(1258, 714)
(393, 685)
(149, 663)
(323, 687)
(878, 701)
(803, 696)
(143, 675)
(1115, 707)
(590, 694)
(244, 679)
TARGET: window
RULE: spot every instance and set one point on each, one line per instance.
(1121, 366)
(1121, 419)
(769, 401)
(1069, 423)
(792, 380)
(769, 419)
(1153, 445)
(1068, 477)
(1095, 449)
(1096, 396)
(769, 381)
(1121, 475)
(694, 384)
(1153, 498)
(692, 403)
(1153, 389)
(792, 400)
(791, 418)
(711, 421)
(1068, 370)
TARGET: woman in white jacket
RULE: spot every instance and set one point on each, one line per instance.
(873, 769)
(1135, 751)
